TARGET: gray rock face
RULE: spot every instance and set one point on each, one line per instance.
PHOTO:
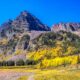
(29, 22)
(24, 22)
(69, 27)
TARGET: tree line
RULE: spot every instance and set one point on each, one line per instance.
(19, 62)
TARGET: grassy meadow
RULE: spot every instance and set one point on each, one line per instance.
(21, 73)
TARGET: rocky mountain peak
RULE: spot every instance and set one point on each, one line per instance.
(29, 22)
(23, 23)
(24, 13)
(69, 27)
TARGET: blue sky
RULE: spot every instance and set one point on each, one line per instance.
(48, 11)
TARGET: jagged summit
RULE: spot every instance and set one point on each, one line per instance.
(25, 13)
(66, 27)
(23, 23)
(27, 20)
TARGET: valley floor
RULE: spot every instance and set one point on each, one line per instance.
(37, 74)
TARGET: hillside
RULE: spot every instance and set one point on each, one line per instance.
(56, 49)
(27, 39)
(16, 34)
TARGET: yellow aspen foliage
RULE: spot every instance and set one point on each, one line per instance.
(59, 61)
(17, 52)
(59, 43)
(70, 50)
(55, 56)
(48, 53)
(75, 60)
(67, 60)
(4, 41)
(37, 55)
(57, 51)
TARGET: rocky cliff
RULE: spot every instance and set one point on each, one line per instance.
(23, 23)
(69, 27)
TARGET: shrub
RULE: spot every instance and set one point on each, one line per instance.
(0, 63)
(30, 62)
(4, 63)
(10, 63)
(59, 61)
(20, 62)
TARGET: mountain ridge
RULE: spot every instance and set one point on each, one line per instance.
(27, 33)
(69, 27)
(24, 22)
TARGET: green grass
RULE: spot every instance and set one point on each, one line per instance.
(17, 67)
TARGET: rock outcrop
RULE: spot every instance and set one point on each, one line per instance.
(23, 23)
(68, 27)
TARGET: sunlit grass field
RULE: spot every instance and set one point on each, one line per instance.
(58, 75)
(44, 74)
(23, 78)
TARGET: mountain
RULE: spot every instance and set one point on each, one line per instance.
(26, 34)
(69, 27)
(16, 34)
(23, 23)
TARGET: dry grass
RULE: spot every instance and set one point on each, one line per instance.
(47, 74)
(23, 78)
(58, 75)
